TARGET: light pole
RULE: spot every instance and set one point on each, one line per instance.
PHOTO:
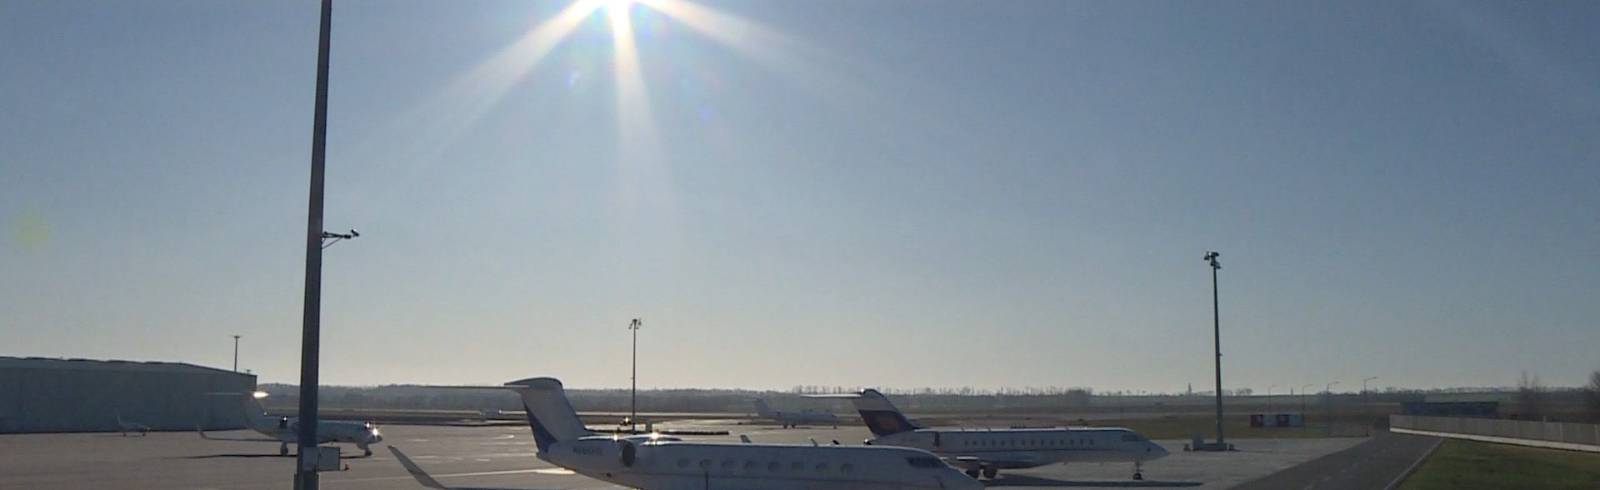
(1327, 391)
(633, 412)
(305, 470)
(1269, 399)
(236, 353)
(1216, 332)
(1366, 406)
(1303, 389)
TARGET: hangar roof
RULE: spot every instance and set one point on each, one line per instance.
(108, 365)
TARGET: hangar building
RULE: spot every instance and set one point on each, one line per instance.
(81, 395)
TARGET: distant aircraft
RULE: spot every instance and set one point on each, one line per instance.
(127, 427)
(795, 419)
(653, 462)
(987, 451)
(286, 430)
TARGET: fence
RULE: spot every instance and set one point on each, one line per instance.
(1583, 437)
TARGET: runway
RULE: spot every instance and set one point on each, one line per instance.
(503, 456)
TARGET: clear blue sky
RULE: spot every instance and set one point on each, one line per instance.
(900, 193)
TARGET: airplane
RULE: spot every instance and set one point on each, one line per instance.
(987, 451)
(655, 462)
(286, 430)
(127, 427)
(794, 419)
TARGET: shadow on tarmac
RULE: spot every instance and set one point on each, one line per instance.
(1005, 480)
(263, 455)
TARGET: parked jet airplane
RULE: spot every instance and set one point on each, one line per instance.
(127, 427)
(987, 451)
(652, 462)
(795, 419)
(286, 430)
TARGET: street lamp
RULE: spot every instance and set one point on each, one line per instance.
(633, 412)
(1216, 332)
(236, 353)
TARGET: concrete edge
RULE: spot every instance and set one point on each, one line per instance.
(1401, 478)
(1501, 440)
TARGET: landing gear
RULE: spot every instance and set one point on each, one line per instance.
(973, 473)
(366, 451)
(1137, 475)
(990, 472)
(283, 449)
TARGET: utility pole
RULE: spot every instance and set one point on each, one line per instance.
(633, 412)
(1216, 332)
(236, 353)
(305, 470)
(1303, 422)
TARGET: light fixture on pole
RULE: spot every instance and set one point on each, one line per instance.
(633, 411)
(1216, 332)
(305, 470)
(236, 353)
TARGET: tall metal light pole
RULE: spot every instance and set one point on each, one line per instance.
(1366, 407)
(1216, 332)
(633, 411)
(1303, 389)
(1269, 399)
(305, 470)
(1327, 391)
(236, 353)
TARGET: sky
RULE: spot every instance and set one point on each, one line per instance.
(890, 193)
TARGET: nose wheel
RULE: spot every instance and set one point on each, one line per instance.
(1137, 475)
(283, 449)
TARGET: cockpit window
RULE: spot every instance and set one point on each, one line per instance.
(1130, 437)
(925, 462)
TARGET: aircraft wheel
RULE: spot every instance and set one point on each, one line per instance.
(283, 449)
(1138, 475)
(973, 473)
(990, 472)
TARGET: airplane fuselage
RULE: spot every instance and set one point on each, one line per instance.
(669, 465)
(1027, 448)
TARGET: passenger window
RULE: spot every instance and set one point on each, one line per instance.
(750, 465)
(847, 468)
(774, 466)
(822, 467)
(727, 464)
(683, 463)
(924, 462)
(705, 464)
(798, 466)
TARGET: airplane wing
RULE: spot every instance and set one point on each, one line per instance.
(208, 437)
(427, 480)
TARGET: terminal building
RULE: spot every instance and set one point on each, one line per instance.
(81, 395)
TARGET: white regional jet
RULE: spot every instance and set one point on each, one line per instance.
(286, 430)
(795, 419)
(987, 451)
(652, 462)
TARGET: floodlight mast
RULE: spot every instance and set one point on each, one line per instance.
(1216, 332)
(633, 411)
(305, 470)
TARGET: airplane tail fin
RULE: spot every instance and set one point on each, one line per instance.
(881, 417)
(762, 408)
(549, 412)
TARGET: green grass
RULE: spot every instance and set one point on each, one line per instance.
(1460, 464)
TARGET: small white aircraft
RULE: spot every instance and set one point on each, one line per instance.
(653, 462)
(286, 430)
(795, 419)
(987, 451)
(127, 427)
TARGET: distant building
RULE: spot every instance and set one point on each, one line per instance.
(81, 395)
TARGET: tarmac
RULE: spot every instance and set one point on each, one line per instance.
(503, 456)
